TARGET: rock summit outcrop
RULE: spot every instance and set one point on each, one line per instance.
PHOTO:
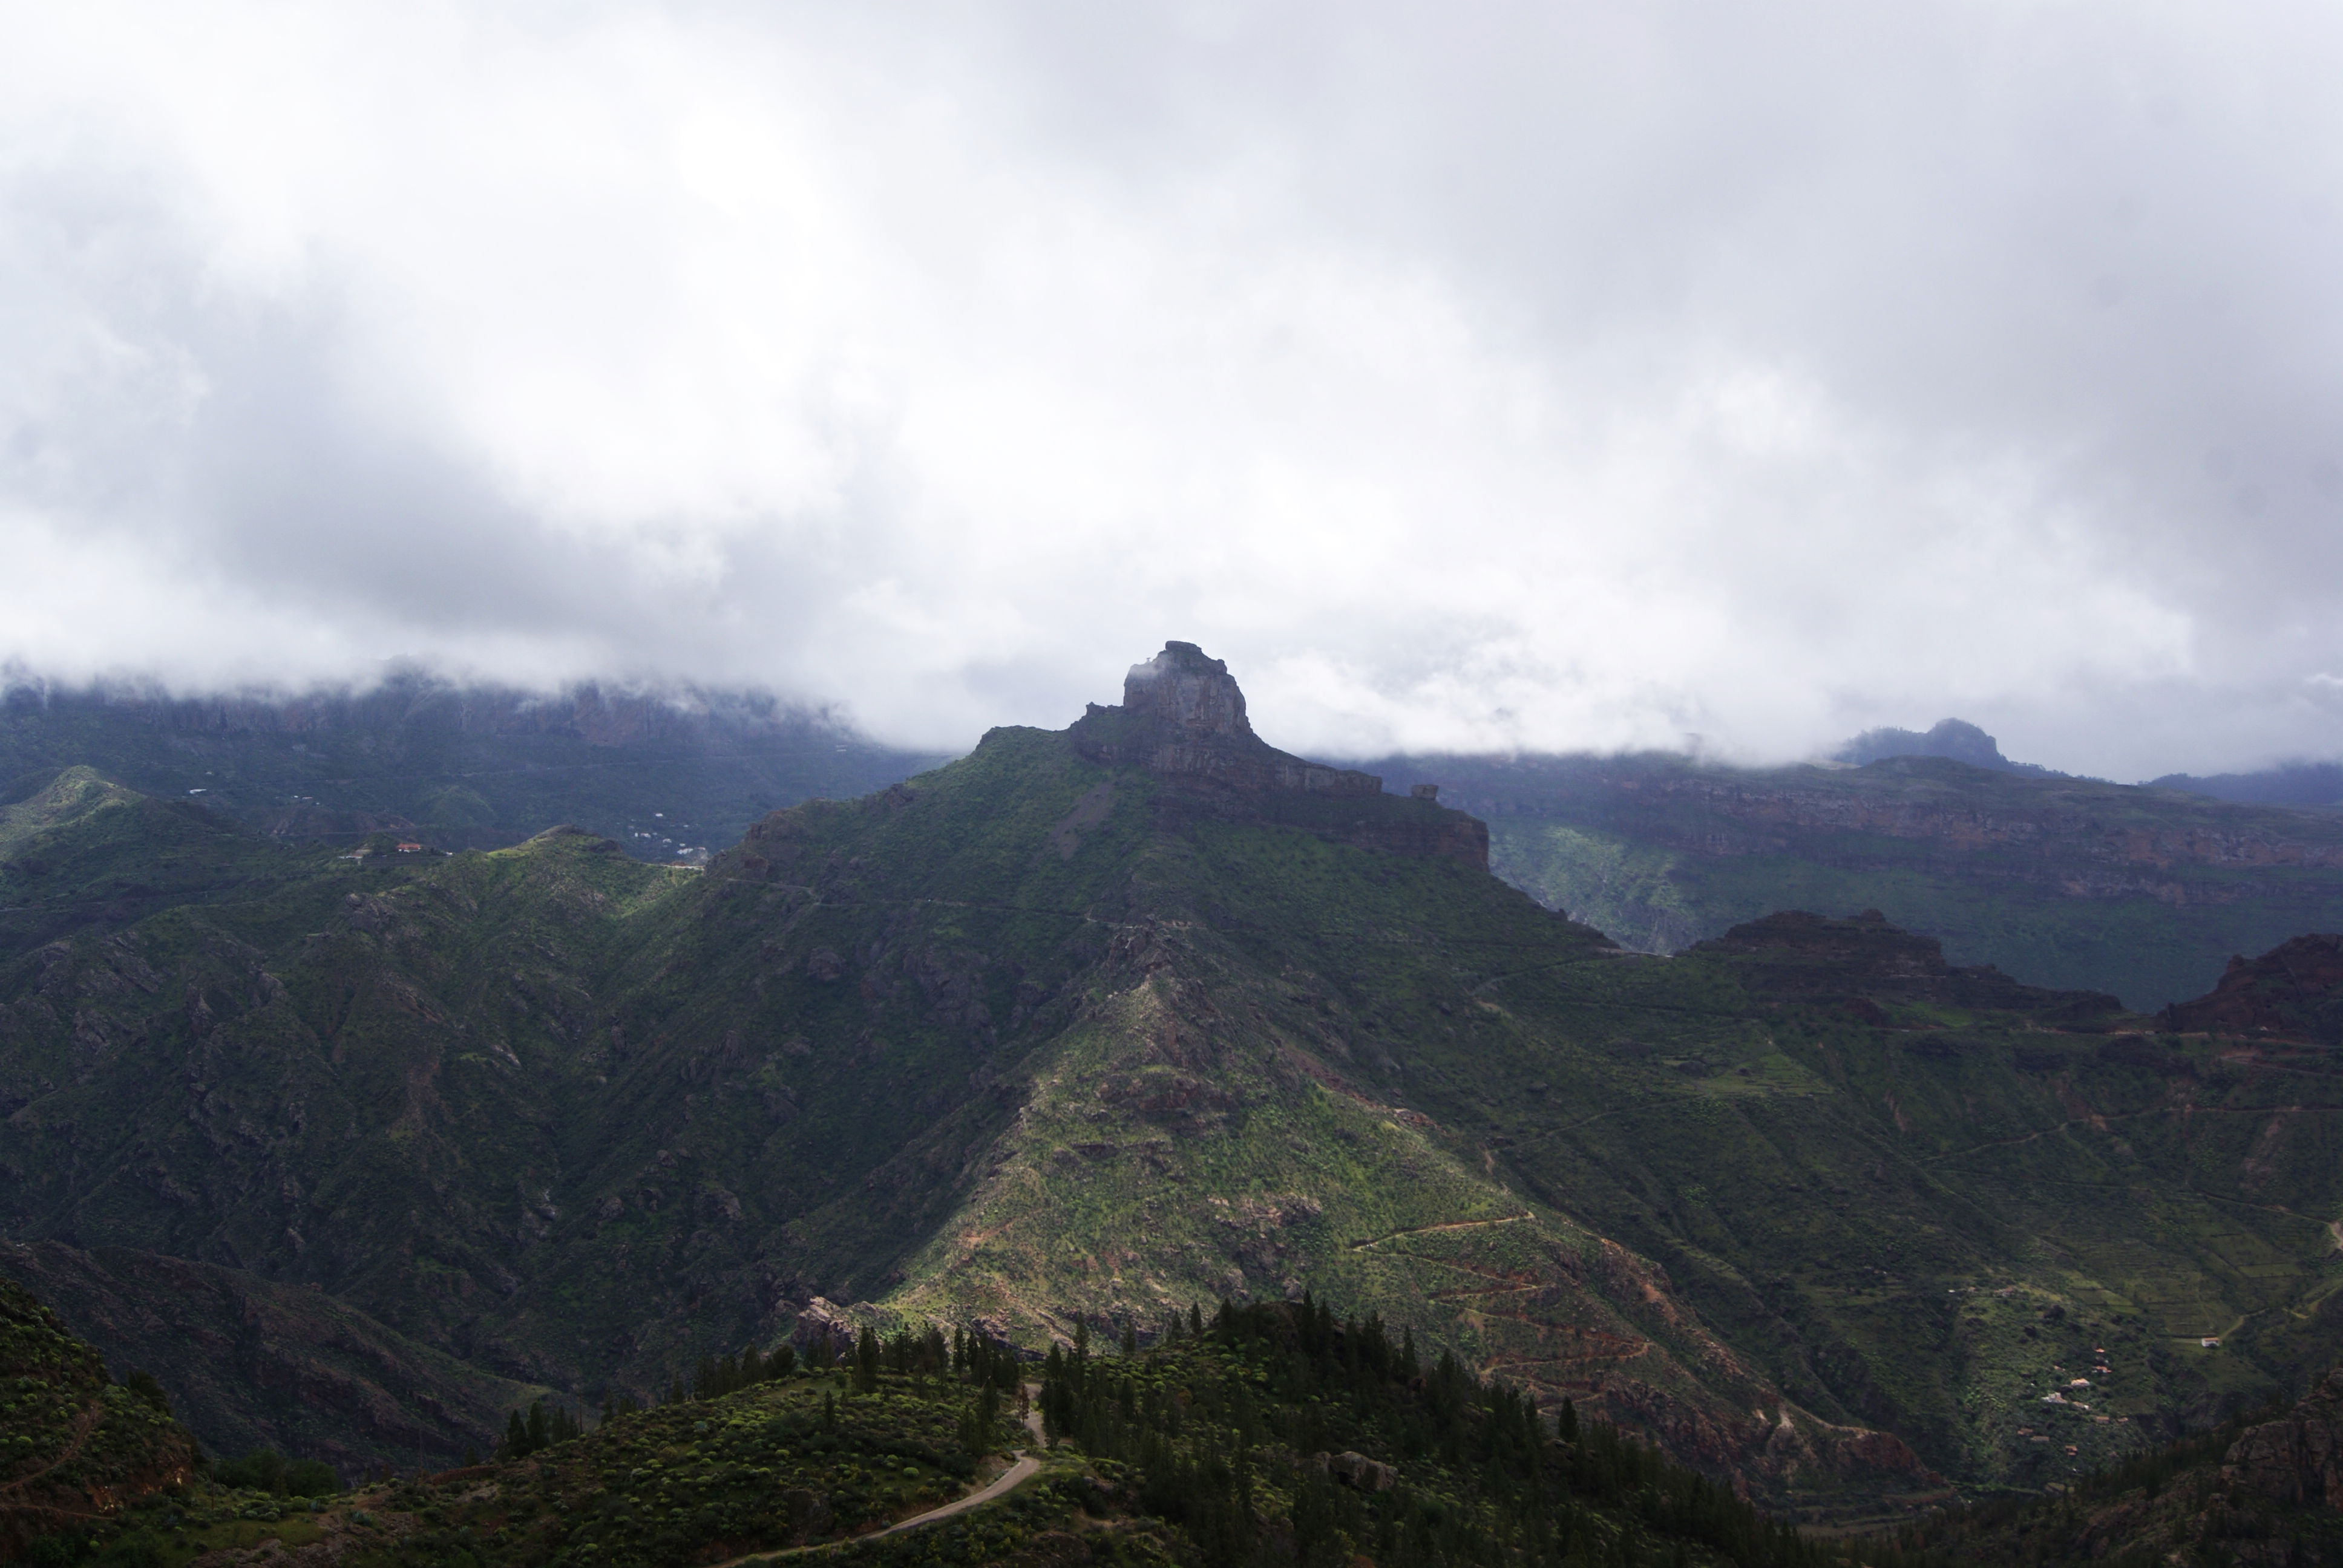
(1182, 719)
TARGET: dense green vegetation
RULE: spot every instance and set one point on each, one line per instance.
(1269, 1436)
(1230, 1432)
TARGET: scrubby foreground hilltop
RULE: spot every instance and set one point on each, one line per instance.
(1273, 1436)
(1096, 1024)
(73, 1445)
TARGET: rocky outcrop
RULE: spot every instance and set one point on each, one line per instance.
(2297, 1458)
(1805, 958)
(1353, 1469)
(1182, 719)
(2295, 990)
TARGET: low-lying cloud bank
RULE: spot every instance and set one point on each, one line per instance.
(1547, 377)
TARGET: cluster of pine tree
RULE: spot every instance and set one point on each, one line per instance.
(719, 1375)
(542, 1428)
(1229, 1413)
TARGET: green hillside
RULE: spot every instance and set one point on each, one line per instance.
(1092, 1024)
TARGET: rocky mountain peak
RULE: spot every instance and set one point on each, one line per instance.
(1181, 689)
(1182, 719)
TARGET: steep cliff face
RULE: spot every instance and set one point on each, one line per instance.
(1183, 720)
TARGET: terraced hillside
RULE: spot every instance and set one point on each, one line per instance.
(1095, 1024)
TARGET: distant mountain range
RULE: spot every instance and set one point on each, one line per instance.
(1095, 1024)
(1953, 739)
(2144, 890)
(671, 773)
(2310, 784)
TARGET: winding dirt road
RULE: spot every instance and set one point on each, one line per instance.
(1010, 1480)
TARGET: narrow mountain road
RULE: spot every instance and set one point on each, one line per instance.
(1449, 1225)
(84, 1422)
(1010, 1480)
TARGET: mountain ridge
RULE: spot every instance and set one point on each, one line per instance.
(1052, 1041)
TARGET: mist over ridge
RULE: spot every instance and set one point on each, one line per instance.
(1572, 381)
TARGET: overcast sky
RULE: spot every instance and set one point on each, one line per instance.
(1480, 376)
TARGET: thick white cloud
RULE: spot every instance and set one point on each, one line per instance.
(1519, 374)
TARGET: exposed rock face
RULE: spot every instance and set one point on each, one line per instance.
(1182, 719)
(1807, 958)
(2297, 1458)
(1180, 688)
(2295, 989)
(1356, 1470)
